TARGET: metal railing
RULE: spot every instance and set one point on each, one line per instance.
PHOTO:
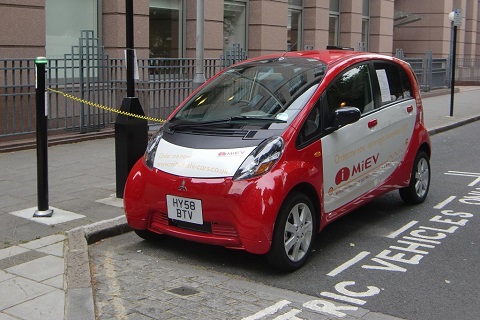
(162, 85)
(17, 99)
(89, 74)
(467, 69)
(434, 73)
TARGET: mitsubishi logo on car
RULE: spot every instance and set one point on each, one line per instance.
(182, 186)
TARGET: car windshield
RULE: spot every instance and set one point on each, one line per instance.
(260, 91)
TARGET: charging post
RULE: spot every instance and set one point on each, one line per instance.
(43, 209)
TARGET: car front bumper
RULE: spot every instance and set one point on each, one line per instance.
(236, 214)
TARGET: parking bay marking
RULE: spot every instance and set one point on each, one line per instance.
(359, 257)
(442, 204)
(394, 234)
(466, 174)
(424, 237)
(269, 310)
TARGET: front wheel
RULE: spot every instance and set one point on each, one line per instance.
(147, 235)
(293, 234)
(417, 190)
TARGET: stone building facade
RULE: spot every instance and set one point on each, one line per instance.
(167, 28)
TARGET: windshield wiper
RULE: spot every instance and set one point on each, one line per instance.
(258, 118)
(234, 119)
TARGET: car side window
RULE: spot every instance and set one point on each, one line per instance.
(393, 82)
(312, 126)
(353, 88)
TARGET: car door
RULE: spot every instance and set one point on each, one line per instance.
(359, 157)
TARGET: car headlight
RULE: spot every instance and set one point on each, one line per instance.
(149, 156)
(261, 159)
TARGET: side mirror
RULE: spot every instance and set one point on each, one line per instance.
(345, 115)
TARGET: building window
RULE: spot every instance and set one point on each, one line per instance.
(334, 23)
(166, 29)
(365, 25)
(294, 28)
(234, 24)
(65, 19)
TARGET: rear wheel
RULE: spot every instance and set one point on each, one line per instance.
(293, 234)
(417, 190)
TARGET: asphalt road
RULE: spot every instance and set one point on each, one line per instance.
(411, 262)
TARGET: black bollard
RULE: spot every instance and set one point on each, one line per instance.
(43, 209)
(131, 138)
(131, 134)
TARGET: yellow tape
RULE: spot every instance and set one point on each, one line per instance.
(96, 105)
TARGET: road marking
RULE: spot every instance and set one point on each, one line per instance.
(442, 204)
(268, 311)
(394, 234)
(474, 182)
(461, 173)
(343, 298)
(290, 315)
(348, 264)
(466, 174)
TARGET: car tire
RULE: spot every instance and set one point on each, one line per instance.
(147, 235)
(417, 190)
(293, 234)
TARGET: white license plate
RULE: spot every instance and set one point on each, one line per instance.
(185, 209)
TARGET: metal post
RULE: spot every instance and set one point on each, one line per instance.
(131, 134)
(43, 209)
(129, 48)
(454, 58)
(199, 55)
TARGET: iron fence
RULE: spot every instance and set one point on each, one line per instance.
(162, 85)
(89, 74)
(17, 103)
(434, 73)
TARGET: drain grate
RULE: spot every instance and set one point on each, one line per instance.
(184, 291)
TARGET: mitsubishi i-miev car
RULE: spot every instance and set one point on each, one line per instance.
(269, 151)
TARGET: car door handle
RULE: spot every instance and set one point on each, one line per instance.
(372, 123)
(409, 109)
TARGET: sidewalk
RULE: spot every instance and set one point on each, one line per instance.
(44, 266)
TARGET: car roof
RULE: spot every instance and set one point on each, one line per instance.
(329, 57)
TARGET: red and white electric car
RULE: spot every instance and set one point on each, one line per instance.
(268, 152)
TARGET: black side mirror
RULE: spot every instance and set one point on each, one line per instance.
(345, 115)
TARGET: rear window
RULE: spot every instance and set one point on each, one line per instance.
(394, 82)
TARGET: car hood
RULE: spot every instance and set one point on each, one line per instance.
(199, 163)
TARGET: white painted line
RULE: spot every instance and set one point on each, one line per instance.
(474, 182)
(268, 311)
(348, 264)
(442, 204)
(343, 298)
(421, 240)
(289, 315)
(465, 174)
(394, 234)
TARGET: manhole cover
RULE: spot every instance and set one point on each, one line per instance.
(184, 291)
